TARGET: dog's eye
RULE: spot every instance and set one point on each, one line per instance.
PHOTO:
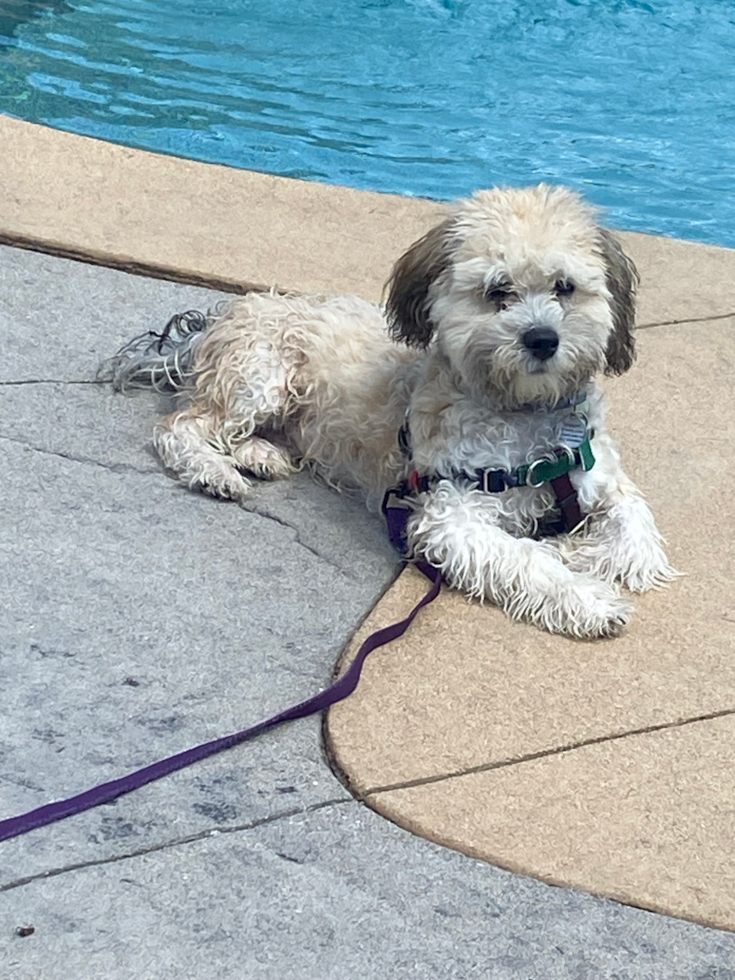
(563, 287)
(499, 294)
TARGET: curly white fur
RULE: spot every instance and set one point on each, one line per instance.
(280, 382)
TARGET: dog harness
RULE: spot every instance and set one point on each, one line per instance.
(574, 452)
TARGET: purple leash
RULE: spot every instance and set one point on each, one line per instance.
(104, 793)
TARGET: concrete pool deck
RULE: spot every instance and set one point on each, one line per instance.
(604, 766)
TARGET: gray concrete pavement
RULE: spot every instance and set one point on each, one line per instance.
(138, 619)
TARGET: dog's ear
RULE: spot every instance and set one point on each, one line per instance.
(407, 307)
(621, 277)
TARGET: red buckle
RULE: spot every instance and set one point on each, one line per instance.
(413, 480)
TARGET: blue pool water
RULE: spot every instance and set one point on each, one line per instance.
(631, 102)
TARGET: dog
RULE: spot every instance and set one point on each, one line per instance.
(484, 361)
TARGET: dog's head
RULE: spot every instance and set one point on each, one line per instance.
(522, 291)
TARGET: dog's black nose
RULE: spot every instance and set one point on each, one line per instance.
(541, 341)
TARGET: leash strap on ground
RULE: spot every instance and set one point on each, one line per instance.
(342, 688)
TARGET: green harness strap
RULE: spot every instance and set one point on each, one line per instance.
(547, 469)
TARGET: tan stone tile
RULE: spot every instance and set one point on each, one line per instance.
(466, 687)
(681, 280)
(648, 820)
(197, 221)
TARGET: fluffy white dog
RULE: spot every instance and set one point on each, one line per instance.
(503, 313)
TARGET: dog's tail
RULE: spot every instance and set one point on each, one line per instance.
(163, 361)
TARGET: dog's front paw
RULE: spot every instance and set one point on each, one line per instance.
(588, 608)
(649, 570)
(638, 568)
(623, 546)
(263, 459)
(217, 477)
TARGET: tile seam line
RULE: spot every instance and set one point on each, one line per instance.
(130, 265)
(676, 323)
(119, 467)
(541, 754)
(192, 278)
(210, 834)
(48, 381)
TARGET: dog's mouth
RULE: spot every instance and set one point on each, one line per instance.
(522, 381)
(538, 367)
(521, 363)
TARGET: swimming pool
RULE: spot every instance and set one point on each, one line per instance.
(631, 102)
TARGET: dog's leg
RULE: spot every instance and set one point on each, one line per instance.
(622, 543)
(186, 444)
(213, 444)
(526, 578)
(191, 446)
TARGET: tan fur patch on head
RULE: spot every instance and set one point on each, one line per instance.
(516, 221)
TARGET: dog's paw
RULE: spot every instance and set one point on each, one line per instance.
(638, 569)
(588, 608)
(649, 572)
(623, 546)
(263, 459)
(222, 482)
